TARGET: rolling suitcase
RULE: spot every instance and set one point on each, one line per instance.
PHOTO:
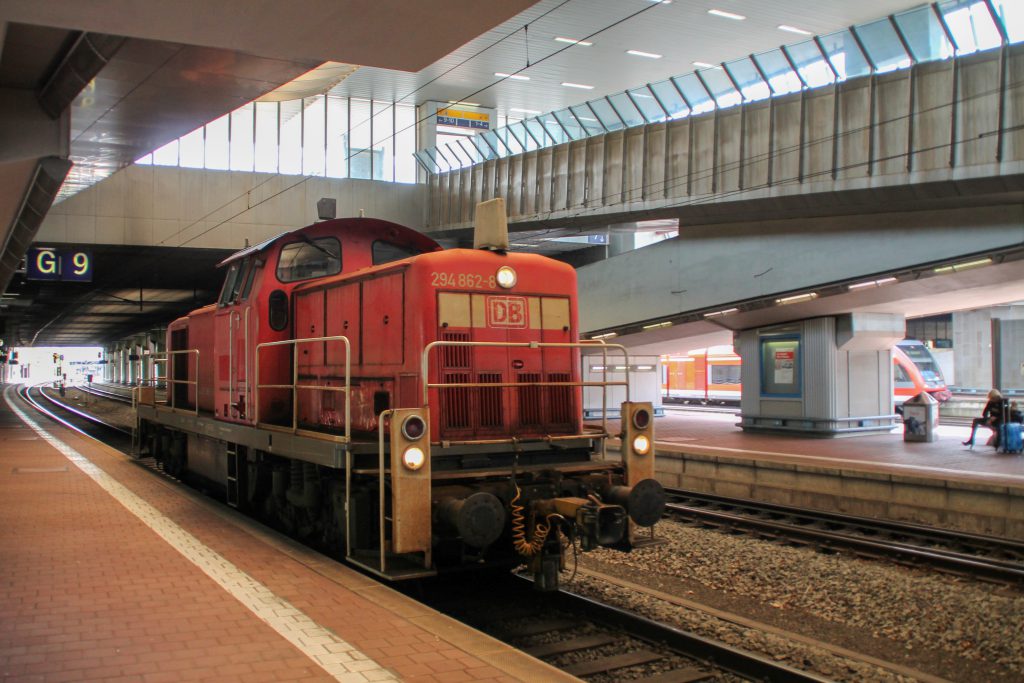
(1010, 437)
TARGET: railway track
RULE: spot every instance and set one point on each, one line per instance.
(977, 556)
(79, 420)
(104, 393)
(592, 640)
(583, 637)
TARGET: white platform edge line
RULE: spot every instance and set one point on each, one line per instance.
(335, 656)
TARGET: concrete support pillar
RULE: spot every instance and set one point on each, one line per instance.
(827, 376)
(621, 238)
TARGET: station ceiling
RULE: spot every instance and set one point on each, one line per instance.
(168, 68)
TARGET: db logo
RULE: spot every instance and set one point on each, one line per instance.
(506, 311)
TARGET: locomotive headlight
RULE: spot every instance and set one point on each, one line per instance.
(413, 458)
(506, 277)
(641, 444)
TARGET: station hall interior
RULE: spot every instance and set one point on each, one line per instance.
(785, 219)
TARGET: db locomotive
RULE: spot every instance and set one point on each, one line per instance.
(411, 409)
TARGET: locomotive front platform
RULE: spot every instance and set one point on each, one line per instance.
(114, 574)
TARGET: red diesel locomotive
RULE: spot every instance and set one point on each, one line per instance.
(410, 408)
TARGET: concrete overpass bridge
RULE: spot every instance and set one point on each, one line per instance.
(897, 193)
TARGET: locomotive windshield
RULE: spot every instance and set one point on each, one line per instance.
(923, 359)
(309, 259)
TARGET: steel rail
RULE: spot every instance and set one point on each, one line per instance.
(798, 527)
(24, 392)
(711, 652)
(103, 393)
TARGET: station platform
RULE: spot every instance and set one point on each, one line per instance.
(114, 573)
(880, 475)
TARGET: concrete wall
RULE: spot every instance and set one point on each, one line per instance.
(170, 206)
(951, 122)
(972, 348)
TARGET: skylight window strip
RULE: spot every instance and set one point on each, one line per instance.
(596, 117)
(893, 42)
(1004, 37)
(792, 65)
(471, 154)
(826, 59)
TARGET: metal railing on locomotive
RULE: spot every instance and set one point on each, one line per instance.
(604, 384)
(382, 419)
(171, 382)
(295, 387)
(382, 520)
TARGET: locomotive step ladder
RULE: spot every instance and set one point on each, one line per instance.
(236, 458)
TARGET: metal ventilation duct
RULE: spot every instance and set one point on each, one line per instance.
(86, 57)
(46, 180)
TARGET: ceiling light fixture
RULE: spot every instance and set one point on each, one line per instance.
(606, 335)
(797, 298)
(871, 283)
(655, 326)
(957, 267)
(706, 65)
(514, 77)
(726, 15)
(524, 111)
(794, 29)
(581, 86)
(465, 104)
(715, 314)
(573, 41)
(638, 53)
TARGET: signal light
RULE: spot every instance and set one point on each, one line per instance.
(641, 418)
(413, 458)
(413, 428)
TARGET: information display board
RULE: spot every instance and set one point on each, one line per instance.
(48, 263)
(780, 366)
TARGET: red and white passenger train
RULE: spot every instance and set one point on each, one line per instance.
(712, 375)
(410, 408)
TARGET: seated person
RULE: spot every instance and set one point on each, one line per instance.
(991, 415)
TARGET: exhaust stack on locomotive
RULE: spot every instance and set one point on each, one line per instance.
(411, 409)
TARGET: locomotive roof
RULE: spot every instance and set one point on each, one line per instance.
(398, 234)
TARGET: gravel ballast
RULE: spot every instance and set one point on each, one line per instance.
(959, 629)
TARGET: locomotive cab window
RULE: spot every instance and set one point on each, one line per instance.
(386, 252)
(250, 275)
(231, 284)
(309, 259)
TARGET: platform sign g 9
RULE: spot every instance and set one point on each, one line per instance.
(47, 263)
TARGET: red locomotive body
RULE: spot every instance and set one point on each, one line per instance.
(434, 396)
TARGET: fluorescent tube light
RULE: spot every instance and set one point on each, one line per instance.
(514, 77)
(726, 15)
(581, 86)
(639, 53)
(573, 41)
(797, 298)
